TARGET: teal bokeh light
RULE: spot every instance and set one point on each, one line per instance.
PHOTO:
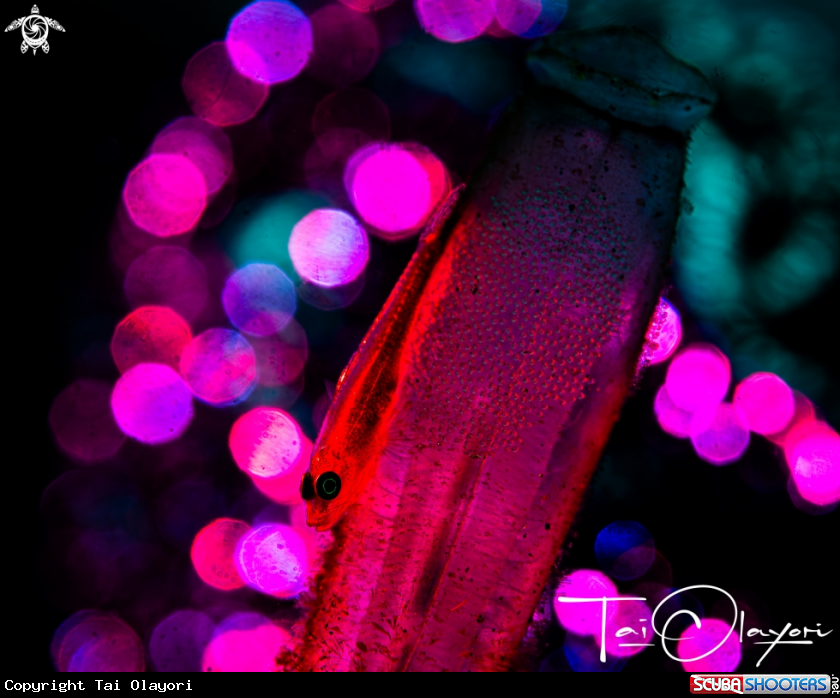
(477, 74)
(259, 227)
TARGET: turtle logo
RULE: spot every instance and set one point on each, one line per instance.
(35, 28)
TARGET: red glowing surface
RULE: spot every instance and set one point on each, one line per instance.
(150, 335)
(584, 618)
(165, 194)
(695, 642)
(329, 248)
(219, 367)
(455, 20)
(664, 334)
(394, 187)
(152, 404)
(90, 641)
(766, 402)
(216, 92)
(206, 146)
(267, 442)
(698, 377)
(281, 356)
(269, 41)
(671, 418)
(627, 614)
(82, 422)
(213, 551)
(721, 439)
(812, 451)
(345, 45)
(168, 276)
(244, 642)
(273, 559)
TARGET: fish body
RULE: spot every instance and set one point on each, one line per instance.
(502, 358)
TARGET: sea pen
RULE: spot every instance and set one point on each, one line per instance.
(466, 427)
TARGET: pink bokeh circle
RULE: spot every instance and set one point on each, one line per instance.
(165, 194)
(269, 41)
(151, 403)
(698, 377)
(213, 550)
(219, 367)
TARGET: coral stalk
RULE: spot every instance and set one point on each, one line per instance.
(486, 389)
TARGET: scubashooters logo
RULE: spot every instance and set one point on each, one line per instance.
(739, 684)
(35, 28)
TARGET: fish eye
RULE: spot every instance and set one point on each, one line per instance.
(328, 485)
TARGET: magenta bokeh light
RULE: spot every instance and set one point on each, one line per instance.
(213, 551)
(273, 559)
(724, 438)
(695, 642)
(82, 422)
(269, 445)
(517, 16)
(530, 18)
(812, 451)
(664, 333)
(803, 411)
(150, 335)
(269, 41)
(584, 618)
(177, 643)
(439, 180)
(698, 377)
(391, 188)
(281, 356)
(244, 642)
(165, 194)
(168, 276)
(367, 5)
(206, 146)
(455, 20)
(216, 92)
(267, 442)
(345, 45)
(627, 614)
(329, 248)
(152, 404)
(219, 367)
(671, 418)
(259, 299)
(90, 641)
(766, 402)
